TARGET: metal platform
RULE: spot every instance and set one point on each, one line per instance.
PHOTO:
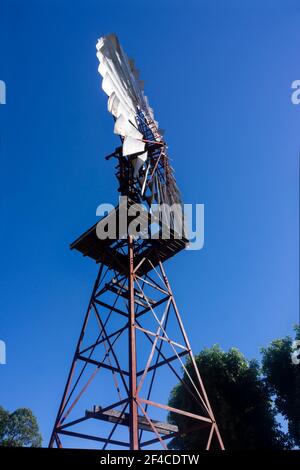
(111, 251)
(114, 416)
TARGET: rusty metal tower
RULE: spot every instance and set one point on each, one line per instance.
(132, 340)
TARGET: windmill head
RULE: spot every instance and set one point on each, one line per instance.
(144, 171)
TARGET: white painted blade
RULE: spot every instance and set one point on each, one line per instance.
(132, 146)
(121, 79)
(124, 128)
(108, 85)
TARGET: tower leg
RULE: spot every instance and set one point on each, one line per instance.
(54, 437)
(133, 425)
(192, 358)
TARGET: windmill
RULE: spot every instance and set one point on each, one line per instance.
(132, 335)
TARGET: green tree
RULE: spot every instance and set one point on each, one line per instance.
(283, 379)
(19, 429)
(240, 399)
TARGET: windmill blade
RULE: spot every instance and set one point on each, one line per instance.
(132, 146)
(112, 84)
(114, 62)
(126, 100)
(124, 128)
(117, 107)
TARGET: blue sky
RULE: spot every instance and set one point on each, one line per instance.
(218, 75)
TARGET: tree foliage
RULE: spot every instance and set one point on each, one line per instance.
(283, 379)
(241, 401)
(19, 429)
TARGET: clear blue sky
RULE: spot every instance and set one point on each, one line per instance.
(218, 74)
